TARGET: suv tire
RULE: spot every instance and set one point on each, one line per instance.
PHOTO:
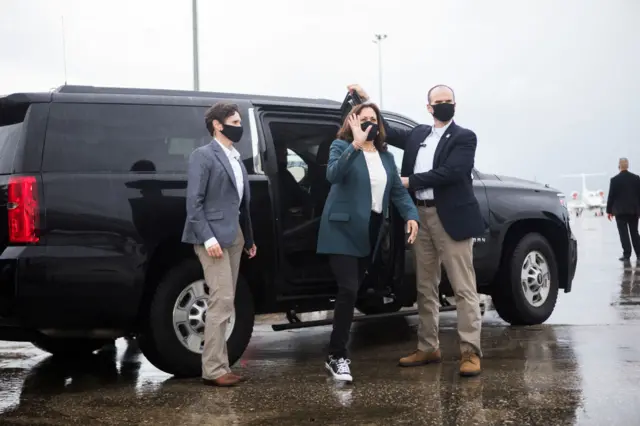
(532, 260)
(159, 341)
(70, 346)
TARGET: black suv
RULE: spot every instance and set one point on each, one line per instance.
(92, 194)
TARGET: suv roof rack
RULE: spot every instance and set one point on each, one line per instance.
(190, 93)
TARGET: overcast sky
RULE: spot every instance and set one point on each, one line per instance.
(550, 87)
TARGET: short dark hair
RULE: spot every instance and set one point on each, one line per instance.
(437, 86)
(346, 134)
(220, 111)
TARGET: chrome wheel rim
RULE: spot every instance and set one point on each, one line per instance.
(535, 278)
(190, 314)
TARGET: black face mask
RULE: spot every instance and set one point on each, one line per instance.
(234, 133)
(443, 112)
(372, 133)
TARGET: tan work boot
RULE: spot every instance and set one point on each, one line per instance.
(420, 358)
(469, 364)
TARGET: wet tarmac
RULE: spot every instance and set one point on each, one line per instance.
(582, 367)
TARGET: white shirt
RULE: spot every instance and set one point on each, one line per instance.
(377, 177)
(424, 160)
(234, 158)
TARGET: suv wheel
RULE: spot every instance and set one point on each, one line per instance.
(528, 290)
(173, 336)
(68, 347)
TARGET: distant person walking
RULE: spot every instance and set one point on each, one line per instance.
(623, 202)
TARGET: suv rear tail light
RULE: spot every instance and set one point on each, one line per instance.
(22, 205)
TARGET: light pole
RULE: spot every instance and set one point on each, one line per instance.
(378, 40)
(64, 50)
(196, 66)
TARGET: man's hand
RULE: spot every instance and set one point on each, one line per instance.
(405, 181)
(359, 90)
(412, 228)
(609, 216)
(215, 251)
(251, 252)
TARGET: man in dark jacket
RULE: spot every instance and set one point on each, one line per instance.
(623, 202)
(436, 167)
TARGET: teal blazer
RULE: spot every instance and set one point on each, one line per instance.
(344, 226)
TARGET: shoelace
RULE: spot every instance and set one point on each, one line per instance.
(343, 366)
(468, 358)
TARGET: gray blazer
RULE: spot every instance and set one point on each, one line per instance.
(213, 206)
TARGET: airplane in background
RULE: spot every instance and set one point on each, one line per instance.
(589, 200)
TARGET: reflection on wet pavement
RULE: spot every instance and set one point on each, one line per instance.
(581, 368)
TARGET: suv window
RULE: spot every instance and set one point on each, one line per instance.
(122, 138)
(9, 139)
(296, 165)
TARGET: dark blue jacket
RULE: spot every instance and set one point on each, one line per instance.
(624, 194)
(450, 176)
(344, 226)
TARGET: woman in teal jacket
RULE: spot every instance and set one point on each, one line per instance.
(363, 177)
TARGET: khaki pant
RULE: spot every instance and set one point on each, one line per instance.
(221, 276)
(432, 247)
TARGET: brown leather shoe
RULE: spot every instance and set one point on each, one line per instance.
(470, 364)
(419, 357)
(227, 380)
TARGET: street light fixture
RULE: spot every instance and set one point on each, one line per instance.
(196, 65)
(378, 40)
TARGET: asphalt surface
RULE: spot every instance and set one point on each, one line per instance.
(582, 367)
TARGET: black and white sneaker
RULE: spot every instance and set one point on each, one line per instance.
(339, 368)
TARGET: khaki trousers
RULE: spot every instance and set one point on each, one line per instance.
(434, 247)
(221, 276)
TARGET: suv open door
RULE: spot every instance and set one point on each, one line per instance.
(352, 99)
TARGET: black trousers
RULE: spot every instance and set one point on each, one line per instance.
(349, 271)
(628, 224)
